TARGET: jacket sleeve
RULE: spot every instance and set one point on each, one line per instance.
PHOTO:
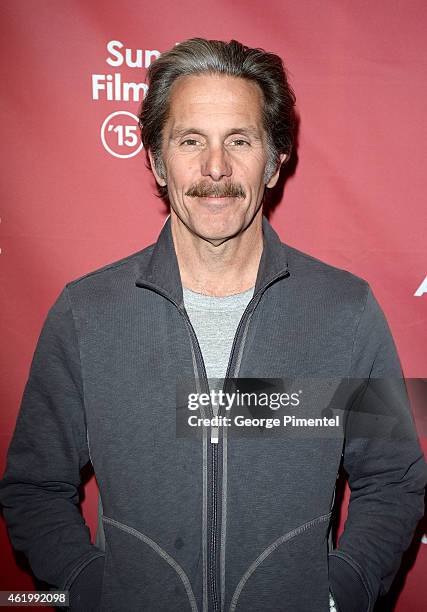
(386, 472)
(39, 492)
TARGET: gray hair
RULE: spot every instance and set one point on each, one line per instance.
(197, 56)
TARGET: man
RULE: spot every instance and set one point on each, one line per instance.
(209, 523)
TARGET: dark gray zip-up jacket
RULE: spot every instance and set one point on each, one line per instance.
(189, 525)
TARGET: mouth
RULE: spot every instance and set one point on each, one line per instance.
(217, 203)
(217, 197)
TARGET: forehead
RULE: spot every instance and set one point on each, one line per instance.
(215, 101)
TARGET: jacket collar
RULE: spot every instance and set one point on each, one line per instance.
(162, 271)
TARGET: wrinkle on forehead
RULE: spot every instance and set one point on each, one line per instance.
(197, 98)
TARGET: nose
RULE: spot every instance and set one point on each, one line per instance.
(216, 163)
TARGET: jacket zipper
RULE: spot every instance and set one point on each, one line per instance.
(244, 322)
(214, 446)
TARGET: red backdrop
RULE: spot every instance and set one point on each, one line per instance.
(77, 194)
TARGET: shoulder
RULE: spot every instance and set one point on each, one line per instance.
(317, 276)
(123, 269)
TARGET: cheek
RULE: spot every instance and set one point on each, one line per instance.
(181, 172)
(251, 172)
(252, 163)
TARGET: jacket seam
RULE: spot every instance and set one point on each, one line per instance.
(270, 549)
(204, 487)
(223, 539)
(161, 552)
(84, 446)
(70, 306)
(356, 329)
(76, 571)
(356, 567)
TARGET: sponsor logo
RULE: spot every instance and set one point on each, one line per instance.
(119, 131)
(120, 135)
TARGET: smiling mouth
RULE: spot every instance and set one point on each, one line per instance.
(217, 199)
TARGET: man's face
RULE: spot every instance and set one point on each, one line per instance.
(214, 153)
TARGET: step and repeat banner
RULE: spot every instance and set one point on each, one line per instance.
(76, 192)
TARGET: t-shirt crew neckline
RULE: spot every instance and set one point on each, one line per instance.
(211, 302)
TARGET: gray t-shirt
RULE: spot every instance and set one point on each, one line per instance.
(215, 320)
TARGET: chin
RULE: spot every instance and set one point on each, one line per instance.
(215, 228)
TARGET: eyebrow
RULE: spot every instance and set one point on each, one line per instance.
(250, 130)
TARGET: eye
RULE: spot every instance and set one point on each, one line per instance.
(190, 142)
(239, 142)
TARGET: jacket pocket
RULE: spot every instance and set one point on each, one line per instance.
(289, 575)
(140, 575)
(348, 583)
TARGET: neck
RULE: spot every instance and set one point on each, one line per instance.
(225, 269)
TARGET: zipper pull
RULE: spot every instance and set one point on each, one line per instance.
(214, 435)
(214, 429)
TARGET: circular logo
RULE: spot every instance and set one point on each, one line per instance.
(120, 134)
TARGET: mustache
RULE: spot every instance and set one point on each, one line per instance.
(216, 190)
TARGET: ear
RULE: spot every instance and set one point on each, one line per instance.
(273, 180)
(160, 180)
